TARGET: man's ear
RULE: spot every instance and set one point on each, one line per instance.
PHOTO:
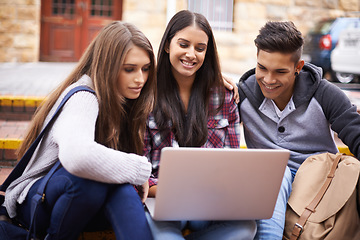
(299, 65)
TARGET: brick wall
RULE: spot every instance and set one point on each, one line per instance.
(19, 30)
(7, 158)
(18, 107)
(12, 133)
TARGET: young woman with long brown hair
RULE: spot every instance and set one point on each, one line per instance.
(98, 139)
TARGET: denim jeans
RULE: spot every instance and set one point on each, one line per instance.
(202, 230)
(9, 231)
(273, 228)
(72, 203)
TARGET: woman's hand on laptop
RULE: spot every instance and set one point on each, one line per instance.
(152, 191)
(143, 191)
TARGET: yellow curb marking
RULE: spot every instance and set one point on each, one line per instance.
(342, 149)
(11, 143)
(21, 101)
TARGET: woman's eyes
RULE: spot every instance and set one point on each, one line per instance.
(144, 69)
(185, 45)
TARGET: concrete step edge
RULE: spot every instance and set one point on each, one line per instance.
(10, 143)
(20, 101)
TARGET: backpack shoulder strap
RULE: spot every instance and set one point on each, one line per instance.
(20, 167)
(299, 226)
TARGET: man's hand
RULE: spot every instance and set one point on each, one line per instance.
(230, 84)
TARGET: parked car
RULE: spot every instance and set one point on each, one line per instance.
(345, 58)
(322, 39)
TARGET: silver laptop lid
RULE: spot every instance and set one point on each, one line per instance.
(218, 184)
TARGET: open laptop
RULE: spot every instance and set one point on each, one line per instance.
(217, 184)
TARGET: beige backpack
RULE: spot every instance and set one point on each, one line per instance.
(325, 200)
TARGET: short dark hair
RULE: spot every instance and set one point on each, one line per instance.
(281, 37)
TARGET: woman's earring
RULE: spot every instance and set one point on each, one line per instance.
(296, 74)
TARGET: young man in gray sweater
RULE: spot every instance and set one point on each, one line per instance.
(285, 104)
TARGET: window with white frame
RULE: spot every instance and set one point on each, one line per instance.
(219, 13)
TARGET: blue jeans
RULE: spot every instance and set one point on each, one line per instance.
(202, 230)
(9, 231)
(72, 204)
(273, 228)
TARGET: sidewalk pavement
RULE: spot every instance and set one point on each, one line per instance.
(32, 79)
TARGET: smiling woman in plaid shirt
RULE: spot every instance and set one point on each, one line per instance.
(192, 109)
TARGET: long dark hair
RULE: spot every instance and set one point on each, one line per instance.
(190, 129)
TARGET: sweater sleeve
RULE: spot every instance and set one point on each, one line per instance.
(74, 134)
(341, 114)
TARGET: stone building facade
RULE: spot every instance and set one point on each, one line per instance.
(20, 25)
(19, 30)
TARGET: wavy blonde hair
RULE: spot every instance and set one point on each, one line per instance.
(121, 122)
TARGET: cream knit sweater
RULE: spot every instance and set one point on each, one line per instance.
(71, 140)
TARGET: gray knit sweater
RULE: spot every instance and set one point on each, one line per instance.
(306, 125)
(71, 140)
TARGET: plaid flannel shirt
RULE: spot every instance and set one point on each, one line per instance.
(223, 131)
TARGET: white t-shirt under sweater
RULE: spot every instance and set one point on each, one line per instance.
(71, 139)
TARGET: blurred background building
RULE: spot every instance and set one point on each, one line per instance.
(59, 30)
